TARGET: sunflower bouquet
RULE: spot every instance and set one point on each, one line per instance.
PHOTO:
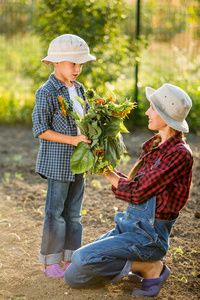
(102, 124)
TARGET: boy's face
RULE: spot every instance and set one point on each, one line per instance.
(67, 71)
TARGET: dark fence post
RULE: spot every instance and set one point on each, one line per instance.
(136, 61)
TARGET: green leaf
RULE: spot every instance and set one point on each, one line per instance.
(83, 125)
(99, 167)
(96, 130)
(91, 114)
(73, 115)
(112, 95)
(110, 152)
(111, 130)
(93, 129)
(120, 147)
(115, 120)
(82, 159)
(94, 142)
(80, 100)
(123, 128)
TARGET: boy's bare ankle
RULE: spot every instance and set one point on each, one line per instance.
(152, 270)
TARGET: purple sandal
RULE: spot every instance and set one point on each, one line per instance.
(54, 271)
(152, 287)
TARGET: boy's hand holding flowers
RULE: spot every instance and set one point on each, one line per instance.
(81, 138)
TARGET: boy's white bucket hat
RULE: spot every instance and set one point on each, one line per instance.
(172, 104)
(68, 47)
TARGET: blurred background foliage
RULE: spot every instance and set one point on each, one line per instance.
(167, 50)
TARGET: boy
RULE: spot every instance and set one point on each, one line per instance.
(62, 231)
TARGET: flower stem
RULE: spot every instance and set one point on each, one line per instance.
(84, 108)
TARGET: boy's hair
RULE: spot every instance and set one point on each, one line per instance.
(68, 47)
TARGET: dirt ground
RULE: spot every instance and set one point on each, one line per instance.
(22, 200)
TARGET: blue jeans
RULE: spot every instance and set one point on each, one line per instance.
(137, 237)
(62, 230)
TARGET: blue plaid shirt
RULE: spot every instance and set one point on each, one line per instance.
(53, 160)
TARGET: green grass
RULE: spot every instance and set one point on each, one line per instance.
(164, 63)
(159, 63)
(16, 93)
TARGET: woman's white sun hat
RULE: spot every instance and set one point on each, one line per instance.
(68, 47)
(172, 104)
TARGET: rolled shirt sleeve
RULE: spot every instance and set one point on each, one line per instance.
(171, 167)
(42, 113)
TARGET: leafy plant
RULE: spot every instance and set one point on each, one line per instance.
(181, 279)
(125, 159)
(182, 70)
(16, 107)
(19, 176)
(6, 178)
(96, 183)
(102, 124)
(177, 251)
(99, 23)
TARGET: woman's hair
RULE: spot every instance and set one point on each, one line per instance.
(137, 166)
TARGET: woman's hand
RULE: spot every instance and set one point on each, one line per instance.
(112, 177)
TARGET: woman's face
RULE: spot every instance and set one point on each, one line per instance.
(155, 120)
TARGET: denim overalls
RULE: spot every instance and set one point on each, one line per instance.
(137, 236)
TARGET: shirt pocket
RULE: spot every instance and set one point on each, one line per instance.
(60, 123)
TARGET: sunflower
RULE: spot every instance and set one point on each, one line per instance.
(99, 152)
(121, 114)
(63, 105)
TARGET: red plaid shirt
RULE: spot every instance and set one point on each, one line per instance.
(169, 180)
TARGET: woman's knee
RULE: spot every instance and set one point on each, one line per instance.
(76, 280)
(78, 259)
(76, 274)
(84, 259)
(72, 277)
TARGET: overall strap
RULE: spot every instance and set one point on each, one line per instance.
(157, 162)
(137, 177)
(148, 207)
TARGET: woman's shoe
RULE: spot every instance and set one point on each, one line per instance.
(54, 271)
(135, 277)
(152, 287)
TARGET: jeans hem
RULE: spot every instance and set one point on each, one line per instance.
(51, 259)
(67, 255)
(123, 273)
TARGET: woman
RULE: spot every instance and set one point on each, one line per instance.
(156, 189)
